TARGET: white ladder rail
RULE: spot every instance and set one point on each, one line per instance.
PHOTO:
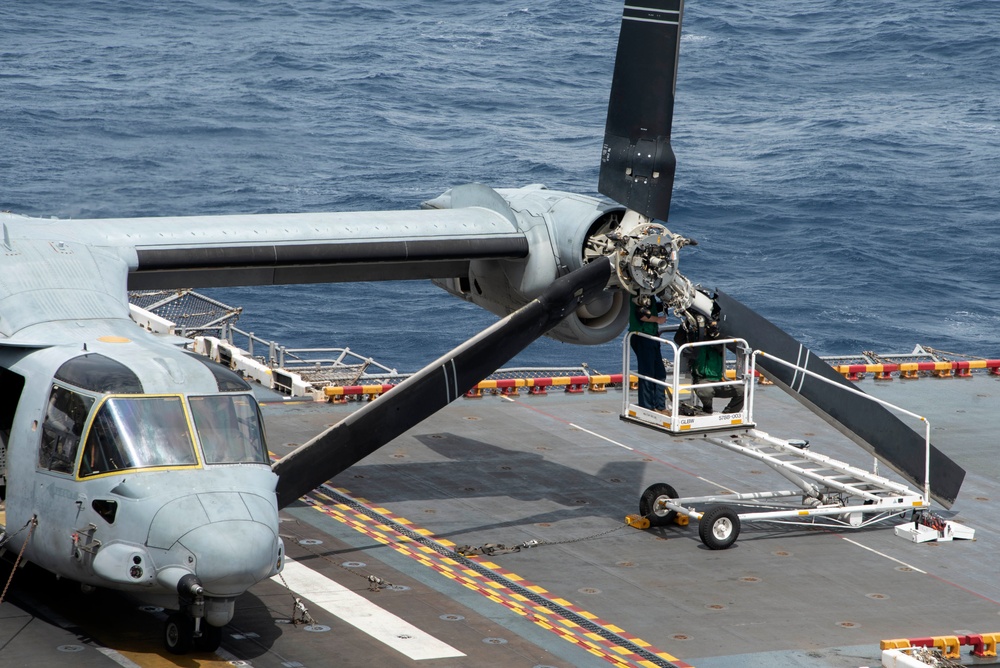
(798, 474)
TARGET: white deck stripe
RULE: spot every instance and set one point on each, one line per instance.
(601, 436)
(622, 445)
(118, 657)
(364, 615)
(882, 554)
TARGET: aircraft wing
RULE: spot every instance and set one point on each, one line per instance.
(267, 249)
(498, 249)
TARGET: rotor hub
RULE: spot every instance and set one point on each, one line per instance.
(647, 259)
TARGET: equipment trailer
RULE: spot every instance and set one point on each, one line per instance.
(826, 492)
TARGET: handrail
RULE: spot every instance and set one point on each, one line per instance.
(674, 384)
(927, 424)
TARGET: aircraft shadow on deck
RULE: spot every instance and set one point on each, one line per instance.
(477, 469)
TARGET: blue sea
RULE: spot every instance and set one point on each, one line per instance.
(838, 160)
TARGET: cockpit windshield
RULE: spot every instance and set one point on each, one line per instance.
(138, 432)
(228, 427)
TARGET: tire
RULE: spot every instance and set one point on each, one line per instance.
(178, 633)
(719, 527)
(647, 504)
(210, 638)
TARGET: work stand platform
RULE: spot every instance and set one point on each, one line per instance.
(686, 424)
(682, 413)
(824, 492)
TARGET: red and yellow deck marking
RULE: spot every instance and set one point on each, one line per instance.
(960, 369)
(541, 615)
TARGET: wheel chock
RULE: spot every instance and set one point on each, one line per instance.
(950, 647)
(682, 520)
(989, 647)
(637, 521)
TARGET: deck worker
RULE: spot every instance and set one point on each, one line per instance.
(646, 318)
(710, 367)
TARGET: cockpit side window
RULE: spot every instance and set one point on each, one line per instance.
(229, 429)
(64, 421)
(138, 432)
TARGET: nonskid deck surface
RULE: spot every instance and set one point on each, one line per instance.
(560, 469)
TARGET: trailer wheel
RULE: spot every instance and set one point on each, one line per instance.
(658, 517)
(719, 527)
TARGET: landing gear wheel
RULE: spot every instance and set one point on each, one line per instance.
(210, 638)
(719, 527)
(178, 633)
(648, 507)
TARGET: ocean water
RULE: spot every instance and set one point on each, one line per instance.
(838, 161)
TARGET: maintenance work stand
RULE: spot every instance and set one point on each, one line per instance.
(824, 492)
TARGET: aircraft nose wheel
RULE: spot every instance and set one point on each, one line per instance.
(719, 527)
(178, 633)
(210, 638)
(179, 637)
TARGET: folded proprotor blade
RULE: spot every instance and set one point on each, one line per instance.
(435, 386)
(865, 422)
(637, 162)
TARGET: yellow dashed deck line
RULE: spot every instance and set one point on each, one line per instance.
(542, 616)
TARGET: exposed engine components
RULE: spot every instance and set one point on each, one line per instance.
(645, 255)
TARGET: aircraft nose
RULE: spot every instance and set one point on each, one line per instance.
(228, 539)
(231, 555)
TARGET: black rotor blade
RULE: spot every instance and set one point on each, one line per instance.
(865, 422)
(435, 386)
(637, 163)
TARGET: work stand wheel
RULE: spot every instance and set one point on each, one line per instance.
(178, 633)
(648, 506)
(719, 527)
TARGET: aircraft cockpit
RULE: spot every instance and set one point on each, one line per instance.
(88, 433)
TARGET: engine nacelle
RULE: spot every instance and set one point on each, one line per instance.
(558, 226)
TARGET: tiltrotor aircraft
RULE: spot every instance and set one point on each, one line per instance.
(133, 464)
